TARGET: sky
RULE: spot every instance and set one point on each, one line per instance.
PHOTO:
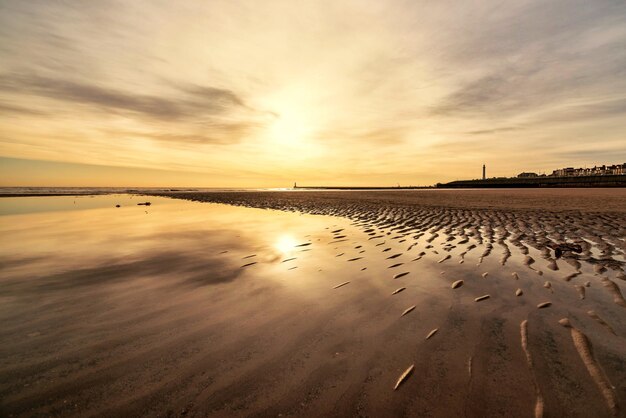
(265, 93)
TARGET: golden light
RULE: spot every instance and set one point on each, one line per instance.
(285, 244)
(289, 128)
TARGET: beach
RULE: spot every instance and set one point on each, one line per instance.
(417, 303)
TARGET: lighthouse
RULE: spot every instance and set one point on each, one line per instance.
(484, 172)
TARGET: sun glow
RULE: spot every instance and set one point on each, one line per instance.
(289, 128)
(285, 244)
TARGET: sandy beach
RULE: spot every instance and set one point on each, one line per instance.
(263, 304)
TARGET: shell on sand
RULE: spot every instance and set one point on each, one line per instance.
(483, 297)
(398, 290)
(431, 333)
(394, 256)
(515, 276)
(457, 284)
(519, 292)
(355, 259)
(444, 259)
(485, 274)
(407, 310)
(248, 256)
(249, 264)
(395, 265)
(544, 305)
(397, 276)
(404, 376)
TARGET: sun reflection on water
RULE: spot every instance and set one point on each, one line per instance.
(285, 244)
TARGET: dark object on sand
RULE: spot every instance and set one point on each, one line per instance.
(559, 249)
(117, 206)
(144, 204)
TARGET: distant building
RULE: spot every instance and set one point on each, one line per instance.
(602, 170)
(525, 175)
(484, 172)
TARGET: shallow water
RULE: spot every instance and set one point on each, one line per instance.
(210, 309)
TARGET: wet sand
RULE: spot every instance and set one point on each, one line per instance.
(200, 309)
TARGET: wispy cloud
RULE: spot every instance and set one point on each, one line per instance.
(414, 92)
(191, 101)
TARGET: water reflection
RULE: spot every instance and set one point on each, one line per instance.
(226, 307)
(286, 244)
(41, 204)
(172, 240)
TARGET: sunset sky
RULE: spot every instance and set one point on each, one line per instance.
(265, 93)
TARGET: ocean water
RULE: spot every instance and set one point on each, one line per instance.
(75, 191)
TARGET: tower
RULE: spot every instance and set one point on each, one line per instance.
(484, 172)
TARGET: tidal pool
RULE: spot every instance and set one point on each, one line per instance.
(208, 309)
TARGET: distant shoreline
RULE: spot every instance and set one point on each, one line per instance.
(600, 181)
(362, 188)
(539, 182)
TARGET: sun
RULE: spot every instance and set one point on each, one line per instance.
(289, 128)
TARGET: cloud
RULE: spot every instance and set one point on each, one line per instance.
(617, 153)
(294, 89)
(522, 59)
(590, 110)
(20, 110)
(364, 136)
(214, 95)
(494, 130)
(191, 102)
(210, 133)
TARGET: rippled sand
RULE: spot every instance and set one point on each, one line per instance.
(388, 304)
